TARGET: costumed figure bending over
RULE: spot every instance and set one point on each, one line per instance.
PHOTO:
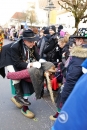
(26, 70)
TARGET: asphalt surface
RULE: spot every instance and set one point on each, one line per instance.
(11, 117)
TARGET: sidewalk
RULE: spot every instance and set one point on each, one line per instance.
(11, 117)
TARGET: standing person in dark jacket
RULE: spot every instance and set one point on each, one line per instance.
(78, 55)
(40, 38)
(53, 51)
(44, 43)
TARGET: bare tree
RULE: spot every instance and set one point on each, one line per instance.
(31, 16)
(77, 7)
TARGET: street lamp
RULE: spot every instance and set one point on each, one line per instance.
(49, 7)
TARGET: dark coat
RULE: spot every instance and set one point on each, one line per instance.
(44, 43)
(13, 54)
(67, 46)
(4, 59)
(53, 43)
(74, 71)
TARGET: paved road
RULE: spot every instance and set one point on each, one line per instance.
(11, 117)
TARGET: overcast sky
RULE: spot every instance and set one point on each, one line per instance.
(9, 7)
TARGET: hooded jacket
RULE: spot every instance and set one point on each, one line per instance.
(74, 71)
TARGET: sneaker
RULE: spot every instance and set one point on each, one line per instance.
(19, 105)
(28, 113)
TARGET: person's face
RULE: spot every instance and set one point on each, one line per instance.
(29, 44)
(41, 33)
(51, 32)
(78, 41)
(61, 44)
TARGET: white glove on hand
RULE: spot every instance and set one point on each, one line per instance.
(36, 64)
(84, 70)
(28, 66)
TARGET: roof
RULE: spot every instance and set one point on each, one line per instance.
(19, 15)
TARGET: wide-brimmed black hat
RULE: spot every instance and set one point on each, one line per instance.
(29, 35)
(82, 33)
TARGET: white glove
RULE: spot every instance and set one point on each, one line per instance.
(42, 60)
(28, 66)
(84, 70)
(36, 64)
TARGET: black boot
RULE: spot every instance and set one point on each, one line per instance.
(19, 96)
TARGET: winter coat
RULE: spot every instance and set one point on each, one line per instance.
(67, 46)
(44, 42)
(74, 71)
(13, 54)
(54, 50)
(66, 56)
(39, 42)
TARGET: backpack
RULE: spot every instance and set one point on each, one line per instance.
(50, 56)
(45, 46)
